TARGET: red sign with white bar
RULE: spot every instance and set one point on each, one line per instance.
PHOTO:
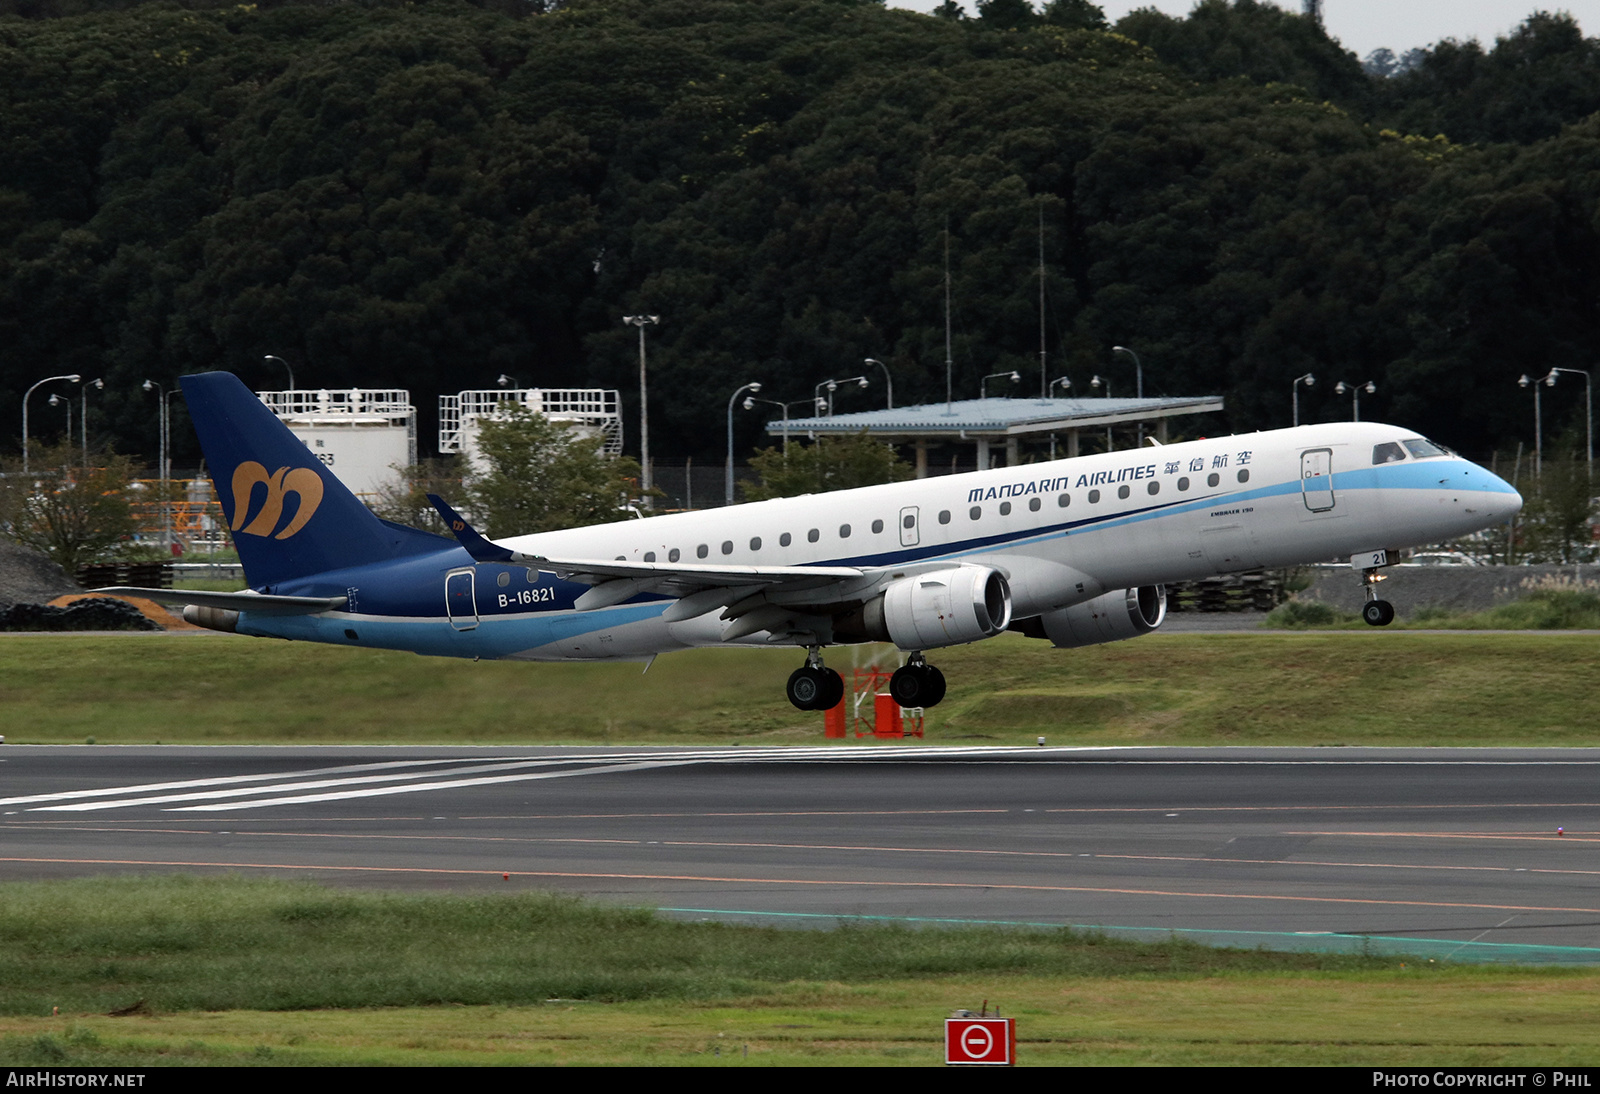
(991, 1041)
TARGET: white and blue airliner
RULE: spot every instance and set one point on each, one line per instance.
(1072, 551)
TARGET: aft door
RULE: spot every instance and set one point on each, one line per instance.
(459, 600)
(908, 526)
(1316, 479)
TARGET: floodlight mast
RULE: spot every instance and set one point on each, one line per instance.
(643, 321)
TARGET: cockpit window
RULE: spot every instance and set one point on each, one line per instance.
(1422, 449)
(1388, 452)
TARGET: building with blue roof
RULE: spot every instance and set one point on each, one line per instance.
(1001, 422)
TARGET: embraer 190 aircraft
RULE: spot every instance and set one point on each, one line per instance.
(1073, 551)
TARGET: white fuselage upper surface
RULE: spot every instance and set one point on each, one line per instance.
(1062, 533)
(1169, 513)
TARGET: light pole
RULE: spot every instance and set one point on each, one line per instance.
(1138, 369)
(817, 407)
(1101, 381)
(1065, 382)
(83, 417)
(164, 468)
(643, 321)
(1307, 380)
(65, 400)
(285, 364)
(72, 378)
(1355, 395)
(833, 385)
(983, 385)
(1588, 407)
(888, 382)
(731, 401)
(1538, 418)
(505, 379)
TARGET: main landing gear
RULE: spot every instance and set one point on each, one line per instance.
(917, 683)
(814, 686)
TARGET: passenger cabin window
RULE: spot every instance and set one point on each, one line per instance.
(755, 543)
(909, 521)
(1213, 478)
(976, 512)
(1033, 505)
(649, 556)
(673, 555)
(1183, 483)
(1154, 488)
(1244, 474)
(877, 526)
(1064, 500)
(503, 580)
(702, 551)
(1422, 449)
(1123, 492)
(844, 531)
(1388, 452)
(1005, 509)
(944, 516)
(1094, 497)
(727, 546)
(785, 539)
(813, 535)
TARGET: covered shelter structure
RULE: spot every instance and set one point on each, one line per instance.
(1003, 423)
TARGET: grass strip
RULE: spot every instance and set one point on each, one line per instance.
(1319, 688)
(1541, 610)
(229, 971)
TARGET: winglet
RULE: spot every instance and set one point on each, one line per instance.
(481, 550)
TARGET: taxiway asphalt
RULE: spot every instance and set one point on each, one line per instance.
(1467, 853)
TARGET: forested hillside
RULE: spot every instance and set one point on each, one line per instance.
(426, 195)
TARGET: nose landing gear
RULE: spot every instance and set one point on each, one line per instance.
(1375, 612)
(917, 683)
(814, 686)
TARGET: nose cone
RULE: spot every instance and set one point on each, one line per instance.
(1501, 500)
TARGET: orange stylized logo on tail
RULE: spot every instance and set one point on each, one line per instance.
(300, 480)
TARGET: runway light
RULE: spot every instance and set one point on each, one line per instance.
(1561, 831)
(1041, 742)
(505, 877)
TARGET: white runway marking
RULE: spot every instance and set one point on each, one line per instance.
(416, 776)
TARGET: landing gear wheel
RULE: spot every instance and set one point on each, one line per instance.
(1377, 613)
(815, 688)
(808, 687)
(917, 685)
(833, 691)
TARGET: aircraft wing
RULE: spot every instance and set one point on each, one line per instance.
(235, 602)
(700, 588)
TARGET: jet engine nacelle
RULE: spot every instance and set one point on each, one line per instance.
(1111, 617)
(926, 611)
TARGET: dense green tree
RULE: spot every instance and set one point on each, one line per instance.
(1543, 75)
(1259, 41)
(539, 475)
(73, 513)
(426, 195)
(830, 463)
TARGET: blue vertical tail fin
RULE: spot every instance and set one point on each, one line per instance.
(290, 517)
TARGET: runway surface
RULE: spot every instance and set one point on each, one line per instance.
(1451, 852)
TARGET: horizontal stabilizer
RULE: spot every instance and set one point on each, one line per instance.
(258, 603)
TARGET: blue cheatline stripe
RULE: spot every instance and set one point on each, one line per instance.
(1385, 477)
(1304, 940)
